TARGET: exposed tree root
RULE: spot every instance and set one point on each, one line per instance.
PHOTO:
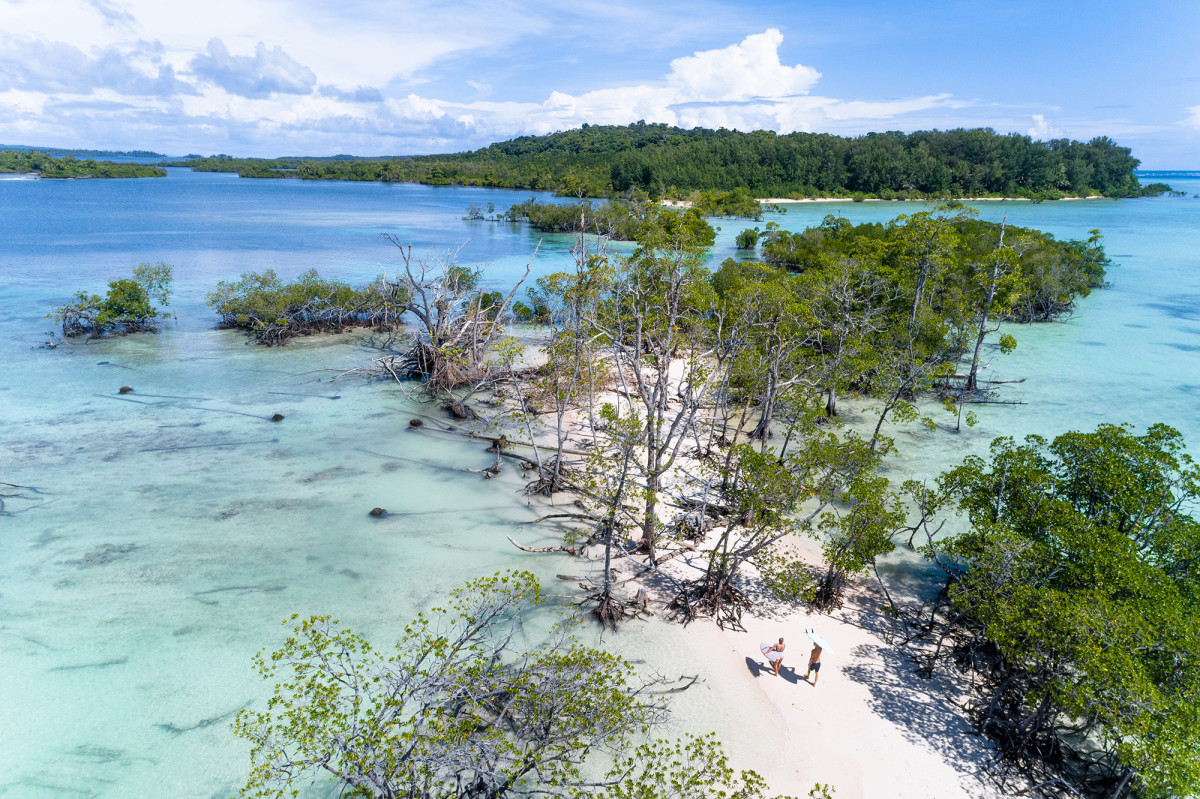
(714, 596)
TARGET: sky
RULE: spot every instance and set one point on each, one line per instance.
(394, 77)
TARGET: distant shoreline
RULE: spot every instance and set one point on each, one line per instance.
(790, 201)
(782, 201)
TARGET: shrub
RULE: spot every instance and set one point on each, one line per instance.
(125, 308)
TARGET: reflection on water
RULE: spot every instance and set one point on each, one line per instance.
(164, 534)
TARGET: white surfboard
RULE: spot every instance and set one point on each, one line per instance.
(826, 649)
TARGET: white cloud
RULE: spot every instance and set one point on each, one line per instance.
(1194, 119)
(134, 68)
(743, 86)
(237, 93)
(267, 72)
(744, 71)
(345, 43)
(1042, 130)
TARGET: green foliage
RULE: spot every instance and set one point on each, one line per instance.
(616, 220)
(737, 202)
(1050, 275)
(460, 708)
(1080, 574)
(1159, 189)
(125, 308)
(695, 767)
(31, 161)
(274, 311)
(600, 160)
(747, 239)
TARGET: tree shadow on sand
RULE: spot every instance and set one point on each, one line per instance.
(922, 709)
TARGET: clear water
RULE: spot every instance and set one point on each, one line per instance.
(177, 526)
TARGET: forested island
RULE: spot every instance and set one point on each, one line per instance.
(26, 162)
(602, 160)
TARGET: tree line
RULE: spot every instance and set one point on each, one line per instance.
(23, 162)
(602, 160)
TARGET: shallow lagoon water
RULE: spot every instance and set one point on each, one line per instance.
(178, 526)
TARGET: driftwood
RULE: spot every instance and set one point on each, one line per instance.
(524, 548)
(684, 549)
(427, 464)
(680, 688)
(584, 516)
(994, 402)
(490, 471)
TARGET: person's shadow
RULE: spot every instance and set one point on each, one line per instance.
(786, 672)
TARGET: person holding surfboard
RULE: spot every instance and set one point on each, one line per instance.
(814, 657)
(814, 664)
(774, 653)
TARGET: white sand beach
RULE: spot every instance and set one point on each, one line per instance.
(870, 727)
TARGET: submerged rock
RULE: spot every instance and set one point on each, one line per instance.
(415, 423)
(277, 417)
(125, 389)
(378, 512)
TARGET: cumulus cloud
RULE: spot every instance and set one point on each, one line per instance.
(133, 69)
(211, 99)
(744, 71)
(267, 72)
(1042, 130)
(112, 15)
(743, 86)
(362, 94)
(1194, 119)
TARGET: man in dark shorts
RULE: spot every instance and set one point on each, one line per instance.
(814, 664)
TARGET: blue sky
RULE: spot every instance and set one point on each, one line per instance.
(374, 77)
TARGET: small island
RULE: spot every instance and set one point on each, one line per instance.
(33, 162)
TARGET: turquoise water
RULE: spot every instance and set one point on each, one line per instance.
(176, 526)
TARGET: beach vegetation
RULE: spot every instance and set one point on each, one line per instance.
(705, 362)
(617, 220)
(274, 311)
(463, 706)
(125, 308)
(456, 323)
(1073, 599)
(747, 239)
(735, 202)
(654, 323)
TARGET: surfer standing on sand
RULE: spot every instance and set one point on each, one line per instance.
(814, 664)
(774, 653)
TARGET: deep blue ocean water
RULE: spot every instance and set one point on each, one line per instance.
(173, 528)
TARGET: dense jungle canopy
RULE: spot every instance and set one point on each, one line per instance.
(599, 160)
